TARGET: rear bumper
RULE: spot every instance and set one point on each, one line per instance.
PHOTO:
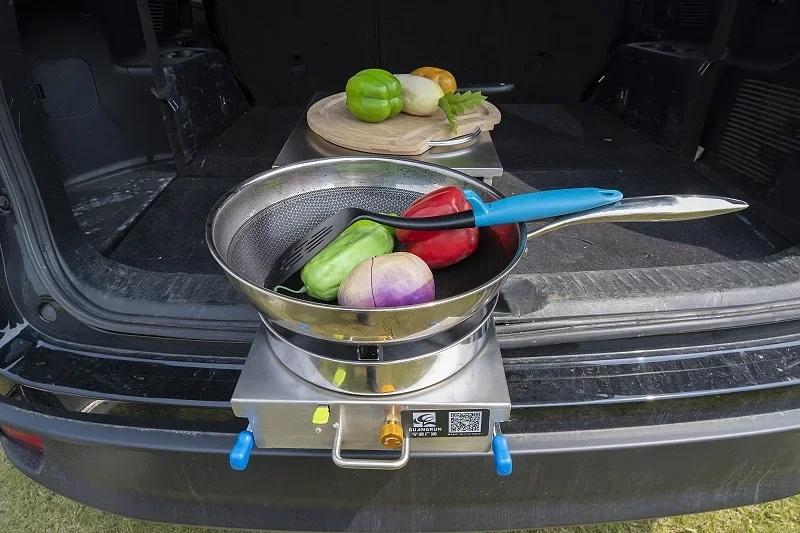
(559, 478)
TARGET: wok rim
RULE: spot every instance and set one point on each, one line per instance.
(210, 220)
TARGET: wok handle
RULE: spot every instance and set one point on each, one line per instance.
(664, 208)
(457, 140)
(538, 205)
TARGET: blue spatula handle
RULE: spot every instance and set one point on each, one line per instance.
(537, 205)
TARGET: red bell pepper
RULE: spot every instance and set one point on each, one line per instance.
(439, 248)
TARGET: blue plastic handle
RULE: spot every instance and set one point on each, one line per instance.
(240, 454)
(536, 205)
(502, 457)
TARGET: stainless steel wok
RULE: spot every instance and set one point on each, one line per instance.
(253, 224)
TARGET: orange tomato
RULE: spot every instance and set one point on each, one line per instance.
(443, 78)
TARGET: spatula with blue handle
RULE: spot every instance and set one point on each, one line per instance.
(522, 208)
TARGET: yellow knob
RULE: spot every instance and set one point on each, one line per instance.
(392, 435)
(321, 415)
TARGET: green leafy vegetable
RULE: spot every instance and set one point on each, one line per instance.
(456, 103)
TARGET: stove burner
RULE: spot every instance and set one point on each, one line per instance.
(387, 352)
(380, 369)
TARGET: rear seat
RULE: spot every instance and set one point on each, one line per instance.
(285, 51)
(550, 50)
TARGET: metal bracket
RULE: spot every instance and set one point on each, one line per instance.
(163, 94)
(704, 67)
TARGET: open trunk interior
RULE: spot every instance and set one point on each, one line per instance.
(162, 214)
(613, 94)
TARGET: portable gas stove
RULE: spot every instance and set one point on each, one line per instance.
(445, 393)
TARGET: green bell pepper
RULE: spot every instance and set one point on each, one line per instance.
(373, 95)
(326, 270)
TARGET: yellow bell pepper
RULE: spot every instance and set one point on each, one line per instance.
(443, 78)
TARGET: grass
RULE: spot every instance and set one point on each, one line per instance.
(27, 507)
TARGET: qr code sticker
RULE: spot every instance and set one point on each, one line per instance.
(465, 422)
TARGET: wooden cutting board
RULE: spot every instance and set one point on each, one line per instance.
(402, 134)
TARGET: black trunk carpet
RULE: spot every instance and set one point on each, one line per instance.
(730, 237)
(571, 136)
(170, 237)
(248, 146)
(544, 146)
(107, 207)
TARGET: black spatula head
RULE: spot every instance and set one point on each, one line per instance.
(309, 245)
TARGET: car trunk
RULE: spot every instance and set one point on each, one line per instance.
(608, 94)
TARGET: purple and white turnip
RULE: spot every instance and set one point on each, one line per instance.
(390, 280)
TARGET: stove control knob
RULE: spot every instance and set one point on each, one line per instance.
(392, 434)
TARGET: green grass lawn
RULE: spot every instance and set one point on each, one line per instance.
(27, 507)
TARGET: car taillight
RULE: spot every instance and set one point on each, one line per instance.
(29, 440)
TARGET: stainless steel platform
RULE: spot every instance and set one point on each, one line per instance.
(280, 406)
(477, 158)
